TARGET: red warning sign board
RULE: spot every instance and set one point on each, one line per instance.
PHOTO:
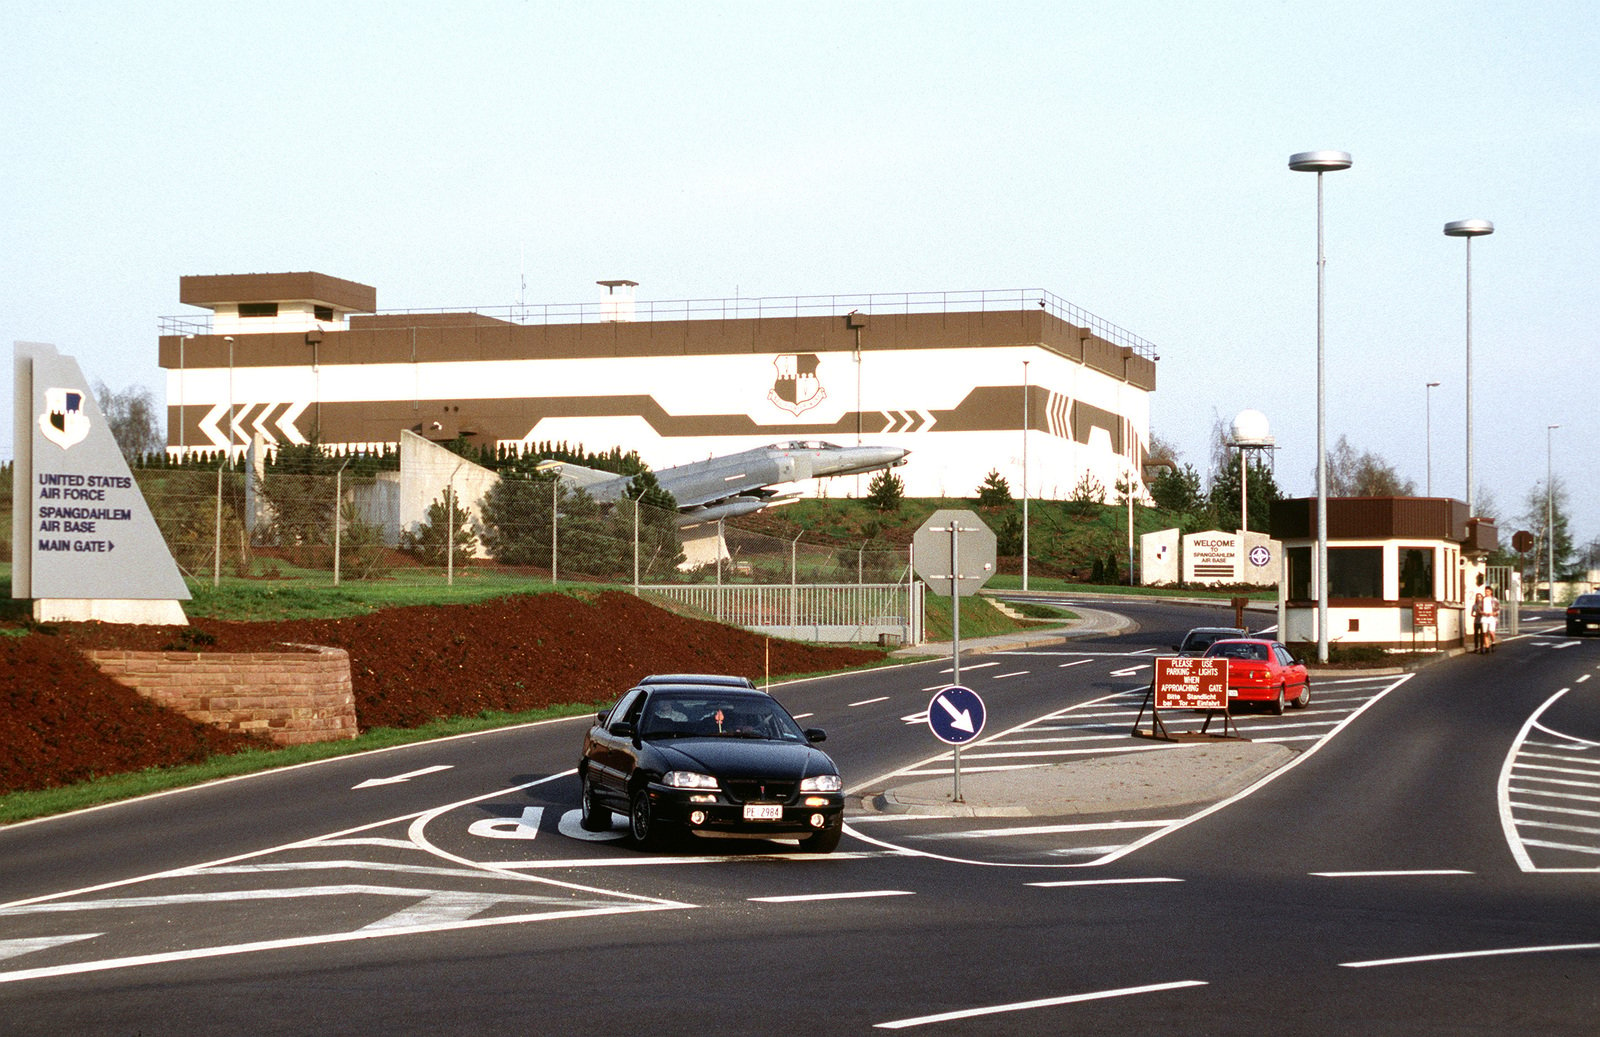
(1192, 683)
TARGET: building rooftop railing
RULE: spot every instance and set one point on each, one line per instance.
(620, 308)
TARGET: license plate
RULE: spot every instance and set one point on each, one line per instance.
(763, 811)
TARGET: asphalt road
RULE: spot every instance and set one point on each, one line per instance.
(1426, 861)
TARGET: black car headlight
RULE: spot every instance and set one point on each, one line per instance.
(689, 780)
(822, 783)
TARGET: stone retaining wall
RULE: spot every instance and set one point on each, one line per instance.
(290, 697)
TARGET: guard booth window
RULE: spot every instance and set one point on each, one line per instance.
(1416, 572)
(1299, 559)
(1355, 572)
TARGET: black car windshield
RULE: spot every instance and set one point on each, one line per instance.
(1588, 601)
(1238, 650)
(711, 715)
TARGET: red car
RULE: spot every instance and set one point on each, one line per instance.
(1260, 670)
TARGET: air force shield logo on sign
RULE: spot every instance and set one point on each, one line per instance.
(796, 389)
(64, 421)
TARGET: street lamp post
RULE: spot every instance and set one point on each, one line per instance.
(1320, 162)
(1025, 475)
(1469, 229)
(229, 340)
(1549, 516)
(1428, 392)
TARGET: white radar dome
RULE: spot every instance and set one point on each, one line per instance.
(1250, 428)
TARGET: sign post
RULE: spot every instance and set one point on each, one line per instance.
(954, 552)
(956, 716)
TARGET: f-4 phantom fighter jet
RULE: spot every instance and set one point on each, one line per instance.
(737, 484)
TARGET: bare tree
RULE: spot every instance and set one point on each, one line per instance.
(1364, 474)
(134, 418)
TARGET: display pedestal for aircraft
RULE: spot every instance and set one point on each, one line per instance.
(84, 543)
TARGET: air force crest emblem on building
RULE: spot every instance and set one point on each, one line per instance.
(796, 388)
(64, 421)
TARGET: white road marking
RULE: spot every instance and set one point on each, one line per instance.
(1001, 833)
(971, 666)
(199, 953)
(1075, 662)
(648, 861)
(1047, 1002)
(399, 778)
(1099, 882)
(1129, 671)
(1013, 673)
(1387, 874)
(571, 826)
(524, 827)
(1508, 823)
(806, 897)
(868, 702)
(17, 948)
(1458, 955)
(448, 907)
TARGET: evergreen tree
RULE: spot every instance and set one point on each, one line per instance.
(994, 491)
(1224, 497)
(886, 491)
(447, 526)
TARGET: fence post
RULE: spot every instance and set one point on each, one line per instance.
(555, 491)
(338, 500)
(216, 556)
(636, 547)
(794, 582)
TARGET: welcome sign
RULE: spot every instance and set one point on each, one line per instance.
(84, 543)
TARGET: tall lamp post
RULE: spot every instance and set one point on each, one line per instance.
(1469, 229)
(1025, 475)
(1428, 392)
(1549, 516)
(1320, 162)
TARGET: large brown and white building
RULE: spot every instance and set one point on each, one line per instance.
(952, 377)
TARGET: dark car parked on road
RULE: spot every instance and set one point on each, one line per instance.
(1196, 641)
(709, 760)
(1583, 615)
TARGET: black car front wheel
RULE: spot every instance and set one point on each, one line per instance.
(642, 821)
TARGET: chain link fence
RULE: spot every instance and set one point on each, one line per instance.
(229, 525)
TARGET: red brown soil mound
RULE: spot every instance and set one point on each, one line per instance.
(408, 666)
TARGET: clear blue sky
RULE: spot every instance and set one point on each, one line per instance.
(1131, 158)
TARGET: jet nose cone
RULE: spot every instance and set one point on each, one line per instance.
(866, 459)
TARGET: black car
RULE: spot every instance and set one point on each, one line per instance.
(1583, 615)
(709, 760)
(718, 679)
(1196, 641)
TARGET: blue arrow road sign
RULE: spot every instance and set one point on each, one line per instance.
(956, 715)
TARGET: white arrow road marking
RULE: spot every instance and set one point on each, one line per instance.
(960, 719)
(524, 827)
(916, 718)
(398, 778)
(449, 907)
(17, 948)
(1129, 672)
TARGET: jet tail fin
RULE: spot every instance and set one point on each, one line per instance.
(576, 475)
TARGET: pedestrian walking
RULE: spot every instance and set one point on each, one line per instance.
(1491, 620)
(1477, 623)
